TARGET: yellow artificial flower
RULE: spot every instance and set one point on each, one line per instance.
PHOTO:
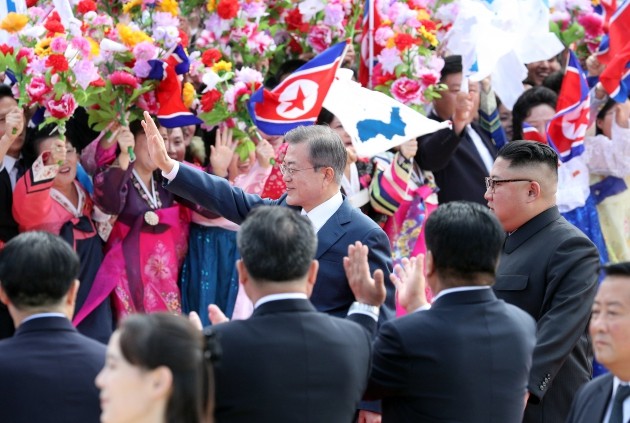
(423, 15)
(211, 5)
(131, 37)
(14, 22)
(390, 42)
(133, 3)
(169, 6)
(595, 3)
(42, 48)
(222, 65)
(188, 94)
(95, 49)
(431, 38)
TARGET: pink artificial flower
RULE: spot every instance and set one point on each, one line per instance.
(59, 45)
(593, 24)
(85, 72)
(234, 93)
(383, 34)
(37, 89)
(407, 91)
(389, 58)
(428, 77)
(122, 78)
(82, 45)
(248, 76)
(319, 37)
(333, 14)
(145, 50)
(62, 108)
(261, 43)
(254, 9)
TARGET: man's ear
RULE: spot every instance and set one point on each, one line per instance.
(429, 264)
(243, 274)
(329, 175)
(311, 277)
(4, 298)
(534, 191)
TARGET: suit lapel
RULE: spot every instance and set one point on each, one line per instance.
(530, 228)
(599, 401)
(334, 228)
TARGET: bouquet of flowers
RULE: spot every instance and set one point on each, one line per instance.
(408, 67)
(575, 22)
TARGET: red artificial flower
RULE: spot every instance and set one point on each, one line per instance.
(210, 57)
(209, 99)
(54, 26)
(5, 49)
(85, 6)
(430, 26)
(31, 3)
(404, 41)
(295, 22)
(25, 52)
(57, 62)
(228, 9)
(62, 108)
(295, 47)
(122, 78)
(98, 83)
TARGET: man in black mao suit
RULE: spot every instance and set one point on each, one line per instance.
(604, 398)
(462, 156)
(312, 169)
(288, 362)
(467, 357)
(548, 268)
(47, 368)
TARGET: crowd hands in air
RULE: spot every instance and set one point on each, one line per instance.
(465, 275)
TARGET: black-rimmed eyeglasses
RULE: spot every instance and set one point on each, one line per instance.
(492, 183)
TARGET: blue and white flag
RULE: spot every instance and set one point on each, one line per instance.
(375, 121)
(8, 6)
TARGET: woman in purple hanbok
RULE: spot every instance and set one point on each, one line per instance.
(145, 250)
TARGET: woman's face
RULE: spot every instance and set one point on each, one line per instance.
(539, 116)
(538, 71)
(67, 169)
(336, 126)
(605, 124)
(125, 389)
(175, 144)
(505, 116)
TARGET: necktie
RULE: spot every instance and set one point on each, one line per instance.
(623, 392)
(20, 167)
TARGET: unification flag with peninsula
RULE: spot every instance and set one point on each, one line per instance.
(374, 121)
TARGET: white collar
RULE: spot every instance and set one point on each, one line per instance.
(458, 289)
(42, 315)
(320, 214)
(283, 296)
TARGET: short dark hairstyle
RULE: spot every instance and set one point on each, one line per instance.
(465, 240)
(452, 64)
(161, 339)
(325, 147)
(525, 153)
(276, 244)
(526, 102)
(37, 269)
(553, 81)
(617, 269)
(601, 114)
(325, 117)
(5, 91)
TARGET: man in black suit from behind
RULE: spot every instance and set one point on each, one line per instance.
(465, 358)
(606, 399)
(47, 369)
(288, 362)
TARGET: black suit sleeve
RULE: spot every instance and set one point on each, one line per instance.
(435, 150)
(389, 365)
(571, 282)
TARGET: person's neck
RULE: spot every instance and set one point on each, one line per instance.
(69, 191)
(327, 196)
(14, 154)
(20, 315)
(259, 290)
(144, 174)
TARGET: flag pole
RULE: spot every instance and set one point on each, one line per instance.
(370, 42)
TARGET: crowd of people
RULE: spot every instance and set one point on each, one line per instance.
(469, 275)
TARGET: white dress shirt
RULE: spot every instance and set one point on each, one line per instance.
(626, 403)
(277, 297)
(9, 164)
(450, 291)
(320, 214)
(486, 157)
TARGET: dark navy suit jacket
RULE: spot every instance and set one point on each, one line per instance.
(591, 401)
(47, 372)
(331, 293)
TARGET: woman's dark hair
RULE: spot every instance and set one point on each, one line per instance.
(325, 117)
(525, 103)
(150, 341)
(602, 114)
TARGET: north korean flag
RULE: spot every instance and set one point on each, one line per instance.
(616, 76)
(531, 134)
(618, 31)
(298, 99)
(567, 129)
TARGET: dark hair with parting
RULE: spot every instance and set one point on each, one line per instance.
(526, 153)
(276, 244)
(465, 240)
